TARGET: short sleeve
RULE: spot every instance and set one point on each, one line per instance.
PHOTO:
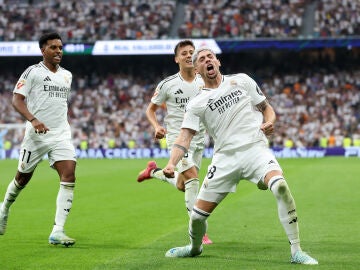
(254, 91)
(191, 121)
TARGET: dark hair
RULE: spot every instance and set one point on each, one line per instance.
(48, 36)
(183, 43)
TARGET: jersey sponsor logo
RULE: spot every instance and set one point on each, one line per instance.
(20, 84)
(225, 102)
(55, 88)
(56, 91)
(182, 102)
(47, 79)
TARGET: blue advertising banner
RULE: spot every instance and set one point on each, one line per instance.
(125, 153)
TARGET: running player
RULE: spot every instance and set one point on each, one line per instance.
(41, 97)
(176, 91)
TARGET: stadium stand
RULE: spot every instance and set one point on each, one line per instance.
(337, 18)
(317, 101)
(88, 21)
(242, 19)
(311, 104)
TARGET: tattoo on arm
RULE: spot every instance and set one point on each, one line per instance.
(180, 147)
(262, 106)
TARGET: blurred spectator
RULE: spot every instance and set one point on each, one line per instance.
(91, 20)
(334, 18)
(242, 19)
(86, 20)
(311, 109)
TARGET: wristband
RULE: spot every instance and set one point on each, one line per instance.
(32, 119)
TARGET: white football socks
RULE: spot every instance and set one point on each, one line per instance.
(11, 194)
(63, 205)
(191, 191)
(197, 228)
(286, 210)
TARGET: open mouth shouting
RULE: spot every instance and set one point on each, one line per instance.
(210, 69)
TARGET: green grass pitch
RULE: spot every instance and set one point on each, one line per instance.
(121, 224)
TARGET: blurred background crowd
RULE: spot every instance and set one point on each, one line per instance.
(91, 20)
(316, 93)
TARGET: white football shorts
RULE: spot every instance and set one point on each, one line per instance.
(192, 158)
(251, 162)
(33, 152)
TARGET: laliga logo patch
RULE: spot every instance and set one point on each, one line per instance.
(20, 84)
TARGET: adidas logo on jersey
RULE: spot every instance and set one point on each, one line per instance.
(178, 92)
(47, 79)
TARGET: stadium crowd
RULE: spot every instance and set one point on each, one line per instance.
(88, 21)
(316, 108)
(243, 19)
(337, 18)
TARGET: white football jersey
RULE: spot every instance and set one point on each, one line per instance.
(228, 112)
(46, 95)
(175, 92)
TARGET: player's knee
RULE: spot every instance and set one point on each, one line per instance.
(23, 178)
(180, 185)
(281, 190)
(68, 177)
(192, 183)
(282, 187)
(198, 215)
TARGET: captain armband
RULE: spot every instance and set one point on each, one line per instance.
(180, 147)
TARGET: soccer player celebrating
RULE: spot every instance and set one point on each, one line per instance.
(238, 116)
(176, 91)
(41, 96)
